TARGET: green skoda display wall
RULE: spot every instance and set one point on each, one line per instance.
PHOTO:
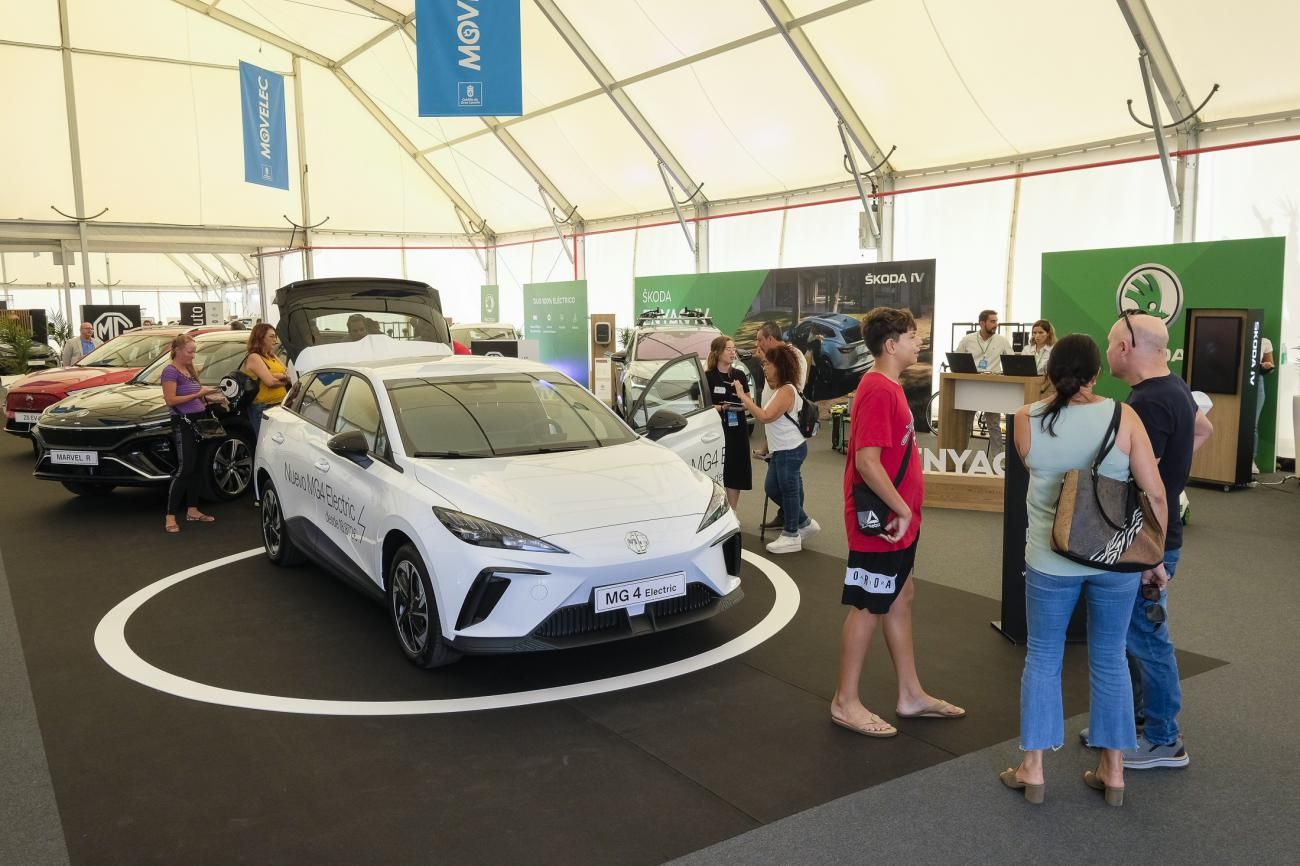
(1084, 291)
(741, 301)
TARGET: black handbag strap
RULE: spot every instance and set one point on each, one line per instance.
(1107, 443)
(790, 417)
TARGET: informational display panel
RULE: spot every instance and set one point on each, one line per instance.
(490, 304)
(818, 308)
(196, 313)
(110, 320)
(1085, 290)
(555, 314)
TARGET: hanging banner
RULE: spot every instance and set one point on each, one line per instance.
(266, 150)
(555, 314)
(1084, 291)
(819, 310)
(468, 58)
(490, 304)
(110, 320)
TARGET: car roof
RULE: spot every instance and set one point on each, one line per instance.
(224, 335)
(446, 367)
(833, 319)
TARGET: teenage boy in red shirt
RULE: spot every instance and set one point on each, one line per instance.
(876, 584)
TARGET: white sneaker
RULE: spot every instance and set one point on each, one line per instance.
(812, 528)
(786, 544)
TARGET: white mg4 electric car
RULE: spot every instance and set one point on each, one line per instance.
(493, 504)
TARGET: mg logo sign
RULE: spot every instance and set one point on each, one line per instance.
(1152, 288)
(109, 326)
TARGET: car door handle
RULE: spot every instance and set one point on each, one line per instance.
(277, 438)
(322, 464)
(710, 437)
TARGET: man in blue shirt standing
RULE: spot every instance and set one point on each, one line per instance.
(77, 348)
(1137, 353)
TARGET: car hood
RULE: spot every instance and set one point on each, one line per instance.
(550, 494)
(112, 405)
(64, 379)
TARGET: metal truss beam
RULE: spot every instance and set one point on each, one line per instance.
(216, 278)
(187, 272)
(619, 97)
(1170, 84)
(811, 61)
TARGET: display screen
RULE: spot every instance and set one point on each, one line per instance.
(1216, 354)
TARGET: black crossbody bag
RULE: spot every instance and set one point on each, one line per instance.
(872, 511)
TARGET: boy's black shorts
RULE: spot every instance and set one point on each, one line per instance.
(873, 580)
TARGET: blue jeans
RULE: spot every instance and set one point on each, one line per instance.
(784, 486)
(255, 412)
(1049, 602)
(1157, 691)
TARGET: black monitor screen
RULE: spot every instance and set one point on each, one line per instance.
(1216, 354)
(507, 348)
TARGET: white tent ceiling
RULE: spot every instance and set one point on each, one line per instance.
(714, 86)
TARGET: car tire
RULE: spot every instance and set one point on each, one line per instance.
(411, 604)
(276, 539)
(228, 468)
(82, 488)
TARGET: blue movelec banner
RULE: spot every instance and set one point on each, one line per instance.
(266, 151)
(468, 58)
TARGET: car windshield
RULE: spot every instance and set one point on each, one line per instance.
(501, 415)
(128, 350)
(665, 345)
(468, 335)
(212, 360)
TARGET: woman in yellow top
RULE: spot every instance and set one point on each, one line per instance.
(264, 365)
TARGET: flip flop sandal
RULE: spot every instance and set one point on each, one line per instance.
(865, 730)
(206, 518)
(934, 711)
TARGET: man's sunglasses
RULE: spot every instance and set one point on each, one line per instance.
(1155, 611)
(1125, 316)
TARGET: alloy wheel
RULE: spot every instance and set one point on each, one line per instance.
(232, 466)
(410, 607)
(272, 524)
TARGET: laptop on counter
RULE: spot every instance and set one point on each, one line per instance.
(1019, 365)
(961, 362)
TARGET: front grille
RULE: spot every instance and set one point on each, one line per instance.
(84, 437)
(580, 619)
(697, 596)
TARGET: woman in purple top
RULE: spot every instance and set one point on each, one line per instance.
(185, 398)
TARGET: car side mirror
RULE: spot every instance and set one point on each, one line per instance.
(619, 357)
(664, 422)
(350, 444)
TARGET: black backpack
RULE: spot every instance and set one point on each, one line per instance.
(239, 387)
(808, 420)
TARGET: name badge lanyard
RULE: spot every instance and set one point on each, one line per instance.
(984, 351)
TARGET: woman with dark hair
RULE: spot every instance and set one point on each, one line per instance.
(786, 447)
(737, 472)
(1054, 436)
(263, 364)
(1041, 340)
(186, 400)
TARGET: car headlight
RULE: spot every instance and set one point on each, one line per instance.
(717, 507)
(485, 533)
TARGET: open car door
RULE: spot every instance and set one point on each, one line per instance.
(675, 410)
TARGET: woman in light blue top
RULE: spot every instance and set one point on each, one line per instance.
(1054, 436)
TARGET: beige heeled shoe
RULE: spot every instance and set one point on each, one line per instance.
(1033, 793)
(1114, 796)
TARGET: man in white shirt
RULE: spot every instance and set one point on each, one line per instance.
(987, 346)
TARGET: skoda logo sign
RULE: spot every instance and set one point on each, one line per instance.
(637, 542)
(1152, 288)
(109, 326)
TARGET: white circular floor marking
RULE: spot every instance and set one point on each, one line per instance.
(110, 641)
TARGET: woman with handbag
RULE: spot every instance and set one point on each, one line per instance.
(1077, 430)
(187, 401)
(786, 447)
(264, 366)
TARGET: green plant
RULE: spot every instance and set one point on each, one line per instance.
(625, 337)
(59, 329)
(18, 340)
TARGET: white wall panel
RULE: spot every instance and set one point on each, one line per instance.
(745, 243)
(663, 250)
(825, 235)
(35, 169)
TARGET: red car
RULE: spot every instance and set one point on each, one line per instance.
(112, 363)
